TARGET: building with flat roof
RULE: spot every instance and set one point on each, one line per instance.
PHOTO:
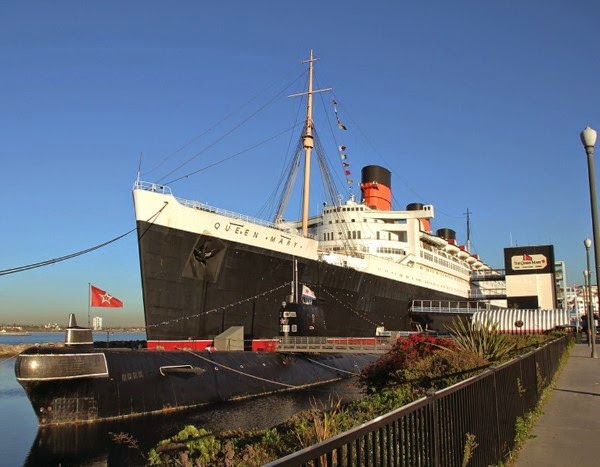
(97, 323)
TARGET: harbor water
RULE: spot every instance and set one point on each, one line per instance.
(112, 443)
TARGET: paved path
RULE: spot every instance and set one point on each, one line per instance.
(568, 431)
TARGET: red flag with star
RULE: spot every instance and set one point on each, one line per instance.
(101, 298)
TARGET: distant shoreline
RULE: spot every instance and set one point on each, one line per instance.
(12, 350)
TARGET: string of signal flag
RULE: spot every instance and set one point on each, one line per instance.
(342, 150)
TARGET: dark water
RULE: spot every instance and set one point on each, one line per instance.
(21, 443)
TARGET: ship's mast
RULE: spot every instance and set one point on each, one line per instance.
(468, 230)
(308, 141)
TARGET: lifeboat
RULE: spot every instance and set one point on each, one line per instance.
(462, 253)
(452, 249)
(433, 240)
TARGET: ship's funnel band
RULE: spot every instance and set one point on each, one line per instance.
(376, 196)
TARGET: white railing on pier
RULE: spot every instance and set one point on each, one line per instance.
(311, 344)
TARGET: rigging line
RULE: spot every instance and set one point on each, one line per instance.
(152, 219)
(289, 184)
(221, 308)
(214, 143)
(4, 360)
(330, 187)
(225, 118)
(326, 170)
(276, 197)
(48, 262)
(355, 124)
(337, 174)
(232, 156)
(332, 367)
(243, 373)
(352, 309)
(62, 258)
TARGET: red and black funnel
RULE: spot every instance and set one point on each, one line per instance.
(376, 183)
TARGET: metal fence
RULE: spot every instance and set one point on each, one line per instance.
(435, 430)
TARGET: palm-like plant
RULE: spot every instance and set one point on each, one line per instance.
(481, 338)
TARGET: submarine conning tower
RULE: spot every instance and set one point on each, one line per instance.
(376, 187)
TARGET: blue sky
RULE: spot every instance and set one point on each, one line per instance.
(471, 105)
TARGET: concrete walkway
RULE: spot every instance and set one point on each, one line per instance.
(568, 431)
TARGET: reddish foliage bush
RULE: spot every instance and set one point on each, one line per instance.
(421, 345)
(406, 350)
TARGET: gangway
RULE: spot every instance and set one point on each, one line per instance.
(488, 284)
(488, 294)
(447, 306)
(480, 275)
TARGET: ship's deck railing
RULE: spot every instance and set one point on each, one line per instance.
(149, 186)
(447, 306)
(231, 214)
(312, 344)
(158, 188)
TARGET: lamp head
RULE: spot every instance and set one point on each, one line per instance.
(588, 137)
(588, 243)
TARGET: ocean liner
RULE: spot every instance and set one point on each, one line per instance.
(225, 296)
(205, 270)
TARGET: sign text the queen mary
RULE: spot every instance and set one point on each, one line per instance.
(528, 262)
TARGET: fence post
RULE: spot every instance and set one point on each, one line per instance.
(432, 402)
(498, 437)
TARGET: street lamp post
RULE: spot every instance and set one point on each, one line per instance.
(590, 313)
(588, 138)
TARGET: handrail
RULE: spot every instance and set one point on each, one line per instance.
(447, 306)
(315, 344)
(165, 190)
(488, 274)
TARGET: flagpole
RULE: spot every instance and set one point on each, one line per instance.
(89, 301)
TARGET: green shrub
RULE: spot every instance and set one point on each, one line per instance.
(376, 403)
(482, 339)
(191, 442)
(528, 342)
(444, 368)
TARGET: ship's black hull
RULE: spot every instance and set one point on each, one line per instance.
(197, 286)
(72, 385)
